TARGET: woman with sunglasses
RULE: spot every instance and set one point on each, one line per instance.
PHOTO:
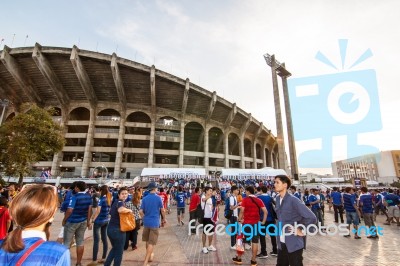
(33, 212)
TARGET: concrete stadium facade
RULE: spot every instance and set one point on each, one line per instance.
(127, 116)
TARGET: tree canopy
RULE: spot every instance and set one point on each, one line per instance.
(29, 137)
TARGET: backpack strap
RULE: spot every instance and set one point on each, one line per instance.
(29, 251)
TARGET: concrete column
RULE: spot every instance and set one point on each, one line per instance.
(87, 157)
(57, 158)
(263, 157)
(226, 149)
(241, 147)
(292, 146)
(206, 153)
(182, 144)
(120, 146)
(254, 155)
(152, 137)
(280, 138)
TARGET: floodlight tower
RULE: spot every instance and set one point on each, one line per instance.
(280, 69)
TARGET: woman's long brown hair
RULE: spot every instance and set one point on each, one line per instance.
(105, 191)
(32, 207)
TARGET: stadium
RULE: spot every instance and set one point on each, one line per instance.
(127, 116)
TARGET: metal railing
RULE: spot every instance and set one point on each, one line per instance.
(108, 118)
(106, 130)
(167, 134)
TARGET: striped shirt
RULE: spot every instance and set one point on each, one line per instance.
(104, 215)
(366, 203)
(80, 204)
(349, 202)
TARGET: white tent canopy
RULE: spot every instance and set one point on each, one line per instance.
(331, 179)
(264, 172)
(191, 172)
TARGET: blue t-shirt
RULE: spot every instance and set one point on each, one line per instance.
(366, 202)
(49, 253)
(267, 200)
(336, 198)
(151, 206)
(306, 199)
(349, 202)
(103, 216)
(67, 199)
(378, 199)
(147, 192)
(80, 204)
(114, 220)
(392, 199)
(313, 198)
(180, 200)
(297, 195)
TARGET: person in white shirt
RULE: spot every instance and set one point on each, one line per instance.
(208, 224)
(234, 205)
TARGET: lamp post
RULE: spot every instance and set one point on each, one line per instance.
(4, 103)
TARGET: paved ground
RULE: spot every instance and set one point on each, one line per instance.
(176, 247)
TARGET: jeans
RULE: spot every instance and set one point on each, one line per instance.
(97, 229)
(117, 239)
(293, 259)
(233, 220)
(318, 214)
(271, 232)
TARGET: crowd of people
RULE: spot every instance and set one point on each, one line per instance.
(247, 202)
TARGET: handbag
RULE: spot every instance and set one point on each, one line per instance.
(126, 222)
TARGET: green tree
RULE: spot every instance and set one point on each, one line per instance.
(28, 138)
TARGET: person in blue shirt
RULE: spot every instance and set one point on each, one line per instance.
(33, 211)
(315, 204)
(150, 211)
(77, 219)
(180, 205)
(391, 201)
(100, 220)
(114, 233)
(378, 205)
(268, 203)
(366, 204)
(295, 193)
(337, 203)
(352, 212)
(305, 198)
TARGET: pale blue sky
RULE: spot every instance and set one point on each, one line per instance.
(219, 45)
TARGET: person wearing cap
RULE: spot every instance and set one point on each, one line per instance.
(150, 211)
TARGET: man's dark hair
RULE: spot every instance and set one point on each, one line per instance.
(196, 190)
(284, 179)
(250, 189)
(390, 190)
(233, 188)
(348, 189)
(3, 201)
(293, 187)
(264, 189)
(161, 189)
(364, 189)
(180, 189)
(207, 189)
(80, 185)
(258, 189)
